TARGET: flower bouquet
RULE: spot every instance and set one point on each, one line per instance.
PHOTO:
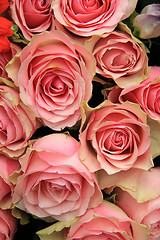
(79, 119)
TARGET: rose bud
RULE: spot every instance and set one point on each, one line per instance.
(148, 22)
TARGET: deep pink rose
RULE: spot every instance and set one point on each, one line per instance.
(54, 181)
(107, 221)
(54, 76)
(120, 57)
(7, 167)
(5, 57)
(32, 16)
(146, 94)
(86, 18)
(17, 122)
(115, 137)
(8, 225)
(146, 213)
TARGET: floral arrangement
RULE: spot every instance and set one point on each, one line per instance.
(79, 119)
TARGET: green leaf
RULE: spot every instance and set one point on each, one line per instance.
(21, 215)
(17, 36)
(129, 22)
(111, 199)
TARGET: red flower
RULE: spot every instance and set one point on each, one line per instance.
(4, 4)
(5, 27)
(5, 31)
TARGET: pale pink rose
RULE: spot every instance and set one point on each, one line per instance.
(86, 18)
(146, 213)
(54, 76)
(8, 225)
(146, 94)
(32, 17)
(120, 57)
(147, 23)
(5, 57)
(107, 221)
(7, 167)
(54, 181)
(115, 137)
(133, 181)
(17, 122)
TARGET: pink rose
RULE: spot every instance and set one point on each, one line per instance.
(115, 137)
(146, 94)
(120, 57)
(86, 18)
(32, 16)
(146, 213)
(106, 221)
(17, 122)
(54, 76)
(8, 225)
(5, 57)
(7, 167)
(54, 181)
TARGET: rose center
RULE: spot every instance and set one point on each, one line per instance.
(57, 85)
(91, 3)
(123, 59)
(114, 140)
(118, 141)
(155, 230)
(40, 4)
(54, 85)
(55, 191)
(86, 7)
(118, 138)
